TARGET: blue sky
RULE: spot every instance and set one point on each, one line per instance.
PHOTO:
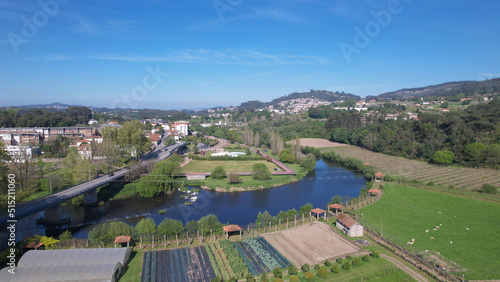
(190, 54)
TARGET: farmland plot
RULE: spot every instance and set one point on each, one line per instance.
(310, 243)
(260, 256)
(187, 264)
(465, 178)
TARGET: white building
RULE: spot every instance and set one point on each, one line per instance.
(349, 226)
(181, 126)
(21, 153)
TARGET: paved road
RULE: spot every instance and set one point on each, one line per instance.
(23, 210)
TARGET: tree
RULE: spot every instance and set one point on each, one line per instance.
(286, 156)
(66, 235)
(23, 162)
(160, 180)
(48, 242)
(335, 268)
(172, 227)
(308, 162)
(322, 273)
(192, 226)
(4, 172)
(209, 222)
(82, 171)
(475, 152)
(256, 139)
(234, 178)
(292, 269)
(309, 276)
(305, 209)
(146, 227)
(335, 200)
(218, 173)
(492, 153)
(277, 272)
(443, 157)
(131, 138)
(260, 172)
(346, 265)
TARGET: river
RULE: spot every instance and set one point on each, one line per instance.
(239, 208)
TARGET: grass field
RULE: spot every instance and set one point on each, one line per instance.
(229, 166)
(458, 177)
(377, 269)
(248, 183)
(408, 212)
(132, 272)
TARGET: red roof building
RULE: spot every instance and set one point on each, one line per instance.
(349, 226)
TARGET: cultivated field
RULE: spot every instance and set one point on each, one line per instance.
(460, 229)
(187, 264)
(310, 243)
(229, 166)
(460, 177)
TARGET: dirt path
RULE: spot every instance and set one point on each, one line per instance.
(405, 268)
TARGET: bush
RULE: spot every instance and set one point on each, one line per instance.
(335, 268)
(357, 262)
(366, 258)
(488, 189)
(339, 260)
(348, 257)
(218, 173)
(292, 269)
(263, 277)
(277, 272)
(346, 265)
(278, 280)
(375, 254)
(217, 279)
(234, 178)
(305, 267)
(328, 263)
(316, 266)
(294, 278)
(431, 184)
(309, 276)
(322, 273)
(250, 278)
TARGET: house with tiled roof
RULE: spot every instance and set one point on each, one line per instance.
(349, 226)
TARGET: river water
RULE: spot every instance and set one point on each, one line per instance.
(239, 208)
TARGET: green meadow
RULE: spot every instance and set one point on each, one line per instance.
(468, 228)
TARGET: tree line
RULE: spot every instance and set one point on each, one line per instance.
(24, 117)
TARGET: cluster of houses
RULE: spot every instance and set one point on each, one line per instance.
(26, 141)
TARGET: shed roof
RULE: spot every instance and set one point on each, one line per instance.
(379, 174)
(122, 239)
(94, 272)
(346, 220)
(70, 256)
(336, 206)
(318, 210)
(232, 228)
(374, 191)
(34, 245)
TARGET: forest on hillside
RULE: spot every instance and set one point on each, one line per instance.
(29, 117)
(470, 137)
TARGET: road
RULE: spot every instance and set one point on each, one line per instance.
(23, 210)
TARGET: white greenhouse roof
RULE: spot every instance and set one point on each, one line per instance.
(95, 272)
(74, 256)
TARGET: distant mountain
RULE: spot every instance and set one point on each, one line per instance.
(323, 95)
(55, 105)
(467, 88)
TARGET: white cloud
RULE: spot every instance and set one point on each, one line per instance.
(237, 57)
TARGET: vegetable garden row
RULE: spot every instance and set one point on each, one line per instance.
(220, 258)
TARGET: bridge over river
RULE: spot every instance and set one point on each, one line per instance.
(50, 204)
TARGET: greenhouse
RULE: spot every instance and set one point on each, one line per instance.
(69, 265)
(67, 256)
(102, 272)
